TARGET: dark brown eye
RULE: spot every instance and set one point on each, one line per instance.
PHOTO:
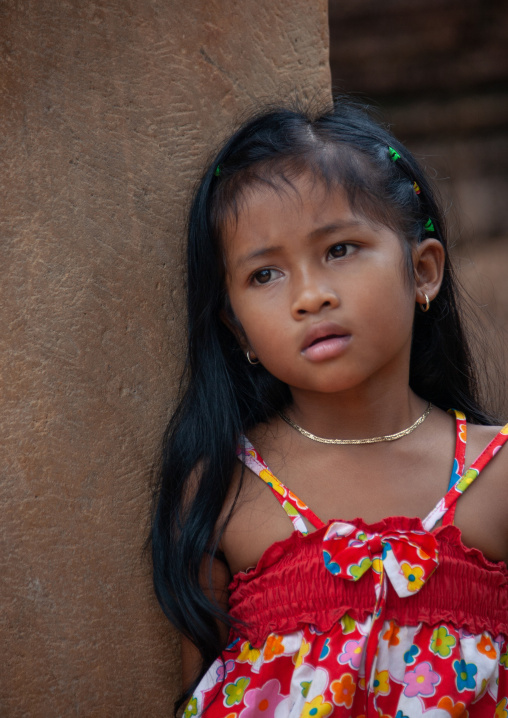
(338, 250)
(263, 276)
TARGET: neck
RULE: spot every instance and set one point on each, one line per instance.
(356, 414)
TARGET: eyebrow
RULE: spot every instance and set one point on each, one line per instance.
(258, 253)
(337, 226)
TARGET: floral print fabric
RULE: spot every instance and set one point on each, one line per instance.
(375, 667)
(437, 671)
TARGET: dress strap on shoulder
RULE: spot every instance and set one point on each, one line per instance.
(459, 462)
(447, 504)
(291, 504)
(460, 447)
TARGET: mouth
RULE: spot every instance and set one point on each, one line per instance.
(325, 342)
(324, 339)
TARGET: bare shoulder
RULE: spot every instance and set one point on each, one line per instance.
(480, 438)
(483, 509)
(495, 474)
(253, 516)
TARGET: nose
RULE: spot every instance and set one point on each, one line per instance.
(311, 295)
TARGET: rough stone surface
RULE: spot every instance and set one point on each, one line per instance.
(107, 110)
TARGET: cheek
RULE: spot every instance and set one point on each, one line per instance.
(233, 317)
(389, 304)
(262, 328)
(270, 337)
(249, 322)
(398, 287)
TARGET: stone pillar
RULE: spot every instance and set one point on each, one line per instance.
(108, 110)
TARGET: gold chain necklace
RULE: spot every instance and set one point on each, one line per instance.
(373, 440)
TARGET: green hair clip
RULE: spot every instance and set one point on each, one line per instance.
(394, 156)
(217, 171)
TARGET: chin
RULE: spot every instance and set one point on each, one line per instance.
(331, 385)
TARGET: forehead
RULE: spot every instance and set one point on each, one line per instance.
(282, 205)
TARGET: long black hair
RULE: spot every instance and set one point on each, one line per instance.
(222, 397)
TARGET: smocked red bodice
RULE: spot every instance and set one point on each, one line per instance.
(291, 586)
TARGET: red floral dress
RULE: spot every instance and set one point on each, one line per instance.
(396, 619)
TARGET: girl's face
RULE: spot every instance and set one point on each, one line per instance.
(322, 297)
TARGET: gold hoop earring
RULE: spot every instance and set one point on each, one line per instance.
(425, 307)
(252, 361)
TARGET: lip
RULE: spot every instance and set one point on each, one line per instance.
(325, 341)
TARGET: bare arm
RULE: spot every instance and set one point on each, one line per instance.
(191, 659)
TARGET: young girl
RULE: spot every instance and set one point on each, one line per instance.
(329, 378)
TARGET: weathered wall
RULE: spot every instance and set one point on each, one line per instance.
(107, 109)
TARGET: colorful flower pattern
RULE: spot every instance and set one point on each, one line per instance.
(316, 708)
(382, 683)
(411, 654)
(248, 654)
(192, 708)
(262, 701)
(352, 654)
(442, 642)
(392, 634)
(421, 680)
(253, 690)
(343, 690)
(466, 673)
(222, 671)
(375, 667)
(273, 647)
(413, 576)
(304, 649)
(234, 692)
(501, 709)
(456, 710)
(486, 646)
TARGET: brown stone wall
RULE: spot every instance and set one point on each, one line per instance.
(107, 111)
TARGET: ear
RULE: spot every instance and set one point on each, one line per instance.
(428, 263)
(228, 318)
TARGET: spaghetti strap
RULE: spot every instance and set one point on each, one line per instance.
(291, 504)
(459, 460)
(460, 447)
(447, 503)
